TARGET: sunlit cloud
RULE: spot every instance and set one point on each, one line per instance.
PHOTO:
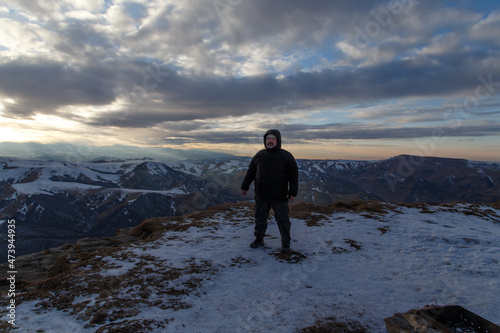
(364, 79)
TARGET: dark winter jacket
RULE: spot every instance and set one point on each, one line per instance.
(274, 171)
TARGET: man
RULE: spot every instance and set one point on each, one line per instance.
(276, 177)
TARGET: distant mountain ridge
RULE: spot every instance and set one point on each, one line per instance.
(84, 152)
(411, 179)
(55, 203)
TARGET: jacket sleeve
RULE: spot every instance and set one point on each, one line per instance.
(293, 176)
(250, 175)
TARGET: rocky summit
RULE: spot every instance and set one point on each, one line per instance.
(351, 265)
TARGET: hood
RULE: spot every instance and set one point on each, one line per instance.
(277, 134)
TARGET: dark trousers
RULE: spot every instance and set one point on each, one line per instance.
(280, 208)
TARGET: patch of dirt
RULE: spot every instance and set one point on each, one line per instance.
(240, 261)
(293, 257)
(333, 325)
(133, 326)
(315, 215)
(353, 243)
(339, 250)
(488, 214)
(384, 229)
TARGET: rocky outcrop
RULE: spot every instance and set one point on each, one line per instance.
(439, 319)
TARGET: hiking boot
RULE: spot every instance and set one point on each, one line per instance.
(258, 242)
(285, 250)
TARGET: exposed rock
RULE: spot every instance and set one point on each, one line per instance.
(439, 319)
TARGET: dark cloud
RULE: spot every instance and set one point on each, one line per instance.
(296, 133)
(289, 22)
(367, 133)
(80, 41)
(44, 86)
(307, 133)
(180, 68)
(208, 97)
(217, 137)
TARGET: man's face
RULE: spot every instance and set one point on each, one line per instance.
(271, 142)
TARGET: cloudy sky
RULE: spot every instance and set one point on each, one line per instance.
(340, 79)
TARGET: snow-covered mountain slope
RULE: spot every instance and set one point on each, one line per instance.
(124, 175)
(413, 179)
(350, 263)
(59, 202)
(402, 178)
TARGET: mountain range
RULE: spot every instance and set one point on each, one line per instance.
(59, 202)
(85, 152)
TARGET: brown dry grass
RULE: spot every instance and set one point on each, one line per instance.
(78, 274)
(148, 282)
(488, 214)
(133, 326)
(384, 229)
(152, 229)
(496, 205)
(338, 207)
(314, 214)
(333, 325)
(293, 257)
(352, 243)
(474, 210)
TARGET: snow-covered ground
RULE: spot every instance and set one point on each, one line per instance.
(356, 267)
